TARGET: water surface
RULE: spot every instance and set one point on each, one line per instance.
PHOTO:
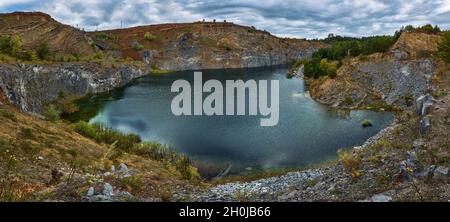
(307, 132)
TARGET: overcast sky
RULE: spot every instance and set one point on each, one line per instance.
(290, 18)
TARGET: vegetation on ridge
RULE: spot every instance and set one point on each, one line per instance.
(326, 61)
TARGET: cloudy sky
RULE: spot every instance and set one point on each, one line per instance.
(291, 18)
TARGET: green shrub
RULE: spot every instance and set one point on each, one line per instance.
(8, 115)
(26, 133)
(24, 55)
(104, 36)
(43, 52)
(99, 55)
(184, 166)
(52, 113)
(86, 129)
(150, 37)
(444, 47)
(137, 46)
(366, 123)
(351, 162)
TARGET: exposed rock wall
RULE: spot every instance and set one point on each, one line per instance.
(397, 77)
(31, 86)
(204, 46)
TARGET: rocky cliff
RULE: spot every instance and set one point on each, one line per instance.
(383, 79)
(31, 86)
(202, 45)
(186, 46)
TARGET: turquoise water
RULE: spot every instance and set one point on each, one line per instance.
(307, 132)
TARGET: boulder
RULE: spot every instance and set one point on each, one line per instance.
(418, 144)
(90, 192)
(441, 174)
(123, 168)
(381, 198)
(424, 104)
(426, 172)
(107, 190)
(425, 125)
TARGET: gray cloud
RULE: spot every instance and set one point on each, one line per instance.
(294, 18)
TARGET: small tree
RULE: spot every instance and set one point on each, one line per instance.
(43, 51)
(16, 45)
(444, 47)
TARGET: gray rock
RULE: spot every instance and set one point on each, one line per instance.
(90, 192)
(441, 174)
(427, 172)
(107, 190)
(424, 104)
(425, 125)
(381, 198)
(418, 144)
(113, 169)
(29, 86)
(123, 168)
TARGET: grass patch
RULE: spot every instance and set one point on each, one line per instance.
(103, 134)
(351, 162)
(8, 115)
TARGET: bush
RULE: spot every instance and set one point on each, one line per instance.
(366, 123)
(104, 36)
(351, 162)
(43, 52)
(5, 44)
(137, 46)
(326, 61)
(26, 133)
(150, 37)
(52, 113)
(24, 55)
(184, 166)
(99, 55)
(8, 115)
(444, 47)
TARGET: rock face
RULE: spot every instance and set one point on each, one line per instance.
(32, 86)
(205, 45)
(382, 78)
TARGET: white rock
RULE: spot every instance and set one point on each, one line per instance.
(123, 168)
(107, 189)
(90, 192)
(381, 198)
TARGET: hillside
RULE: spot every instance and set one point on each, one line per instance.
(48, 161)
(36, 28)
(202, 45)
(391, 79)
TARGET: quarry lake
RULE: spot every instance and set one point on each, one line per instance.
(307, 132)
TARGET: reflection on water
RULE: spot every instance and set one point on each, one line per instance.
(307, 131)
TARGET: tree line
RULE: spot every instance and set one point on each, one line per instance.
(326, 61)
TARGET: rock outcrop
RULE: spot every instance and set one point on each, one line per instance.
(397, 77)
(29, 87)
(203, 45)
